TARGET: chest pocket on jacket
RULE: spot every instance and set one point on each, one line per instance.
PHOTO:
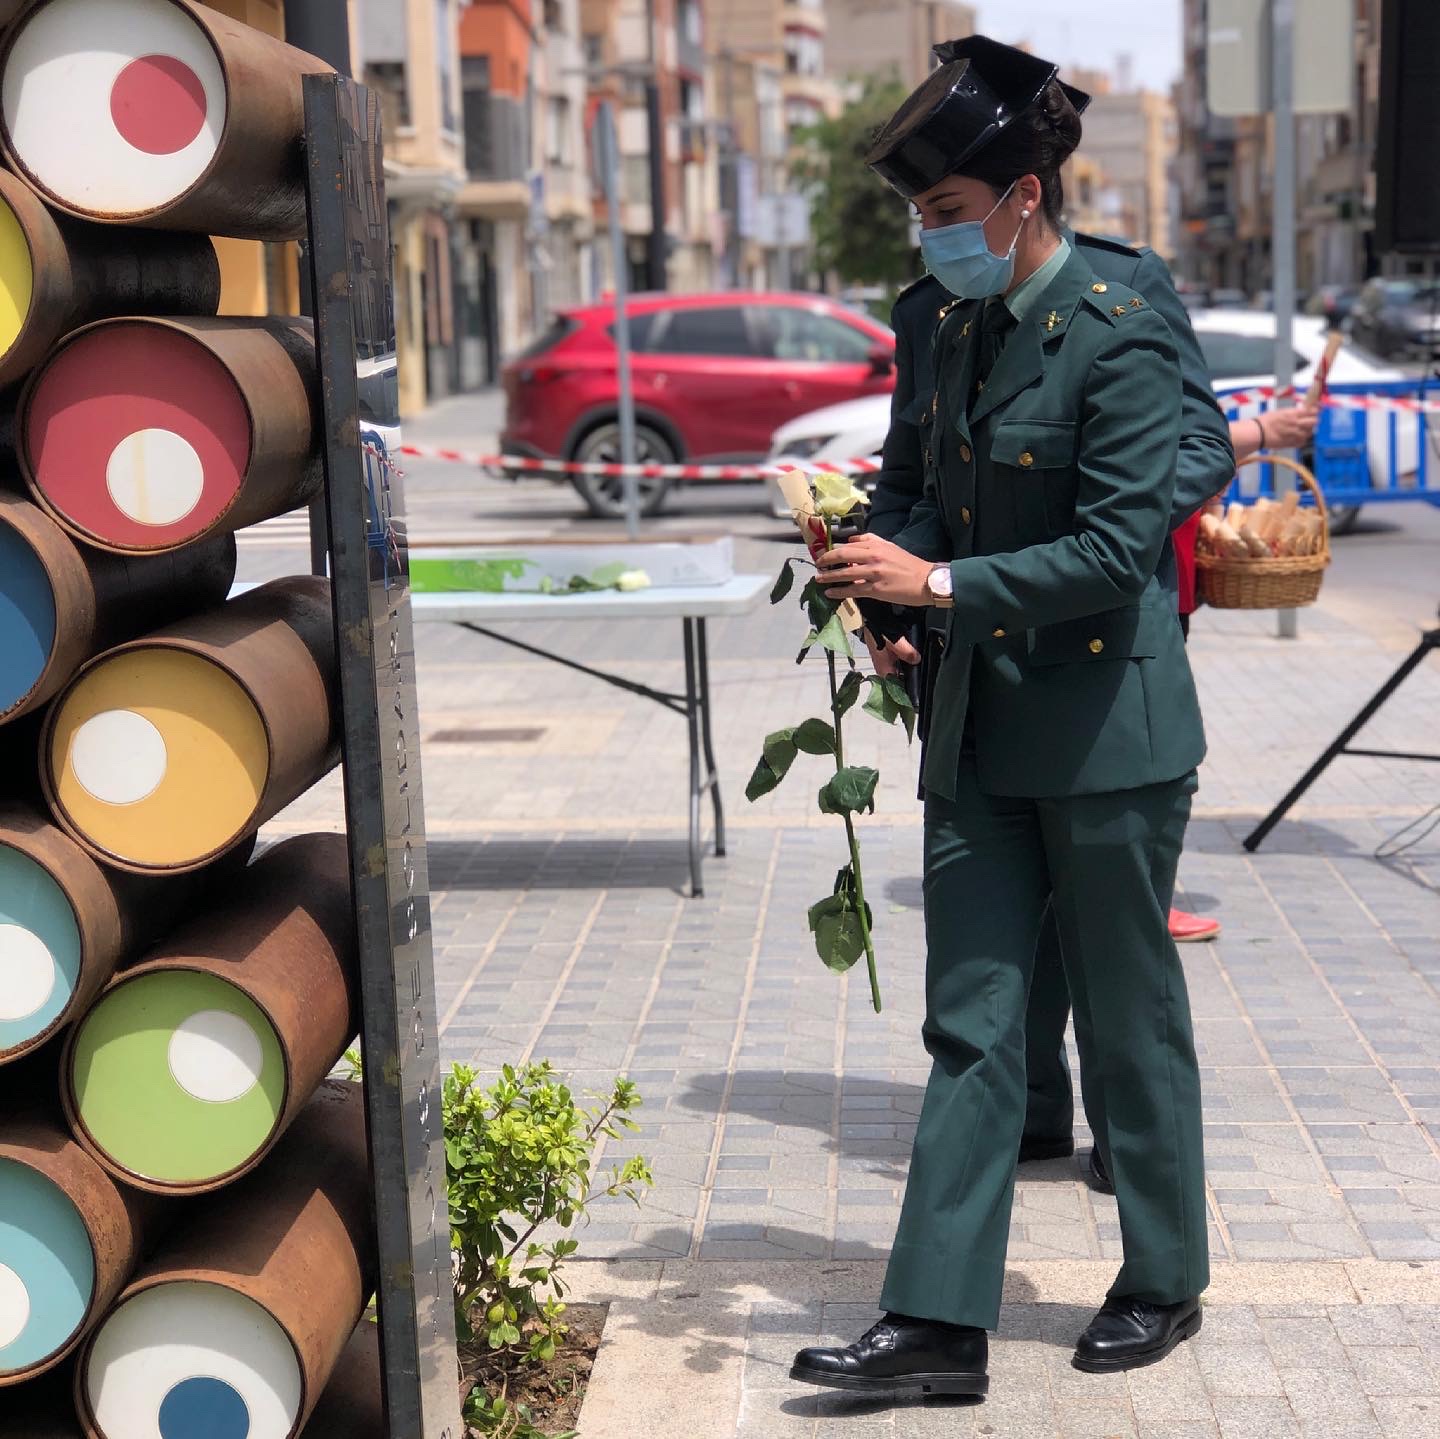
(1038, 457)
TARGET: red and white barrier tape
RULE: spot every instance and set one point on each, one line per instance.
(1233, 400)
(526, 464)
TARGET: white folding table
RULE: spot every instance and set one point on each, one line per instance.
(692, 605)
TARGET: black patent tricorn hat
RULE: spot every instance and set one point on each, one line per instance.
(980, 87)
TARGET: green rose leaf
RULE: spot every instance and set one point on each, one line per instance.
(849, 790)
(779, 749)
(773, 765)
(805, 648)
(783, 582)
(849, 692)
(818, 605)
(839, 940)
(833, 637)
(879, 703)
(815, 736)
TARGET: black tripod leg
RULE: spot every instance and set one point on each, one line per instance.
(1428, 641)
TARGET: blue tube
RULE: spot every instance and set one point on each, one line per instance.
(27, 619)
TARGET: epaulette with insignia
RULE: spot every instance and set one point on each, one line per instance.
(1109, 242)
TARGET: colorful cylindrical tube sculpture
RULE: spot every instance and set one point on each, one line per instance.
(140, 435)
(236, 1324)
(195, 1061)
(60, 603)
(66, 922)
(163, 754)
(190, 120)
(57, 274)
(69, 1238)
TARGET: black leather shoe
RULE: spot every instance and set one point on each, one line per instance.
(902, 1354)
(1060, 1146)
(1129, 1333)
(1099, 1176)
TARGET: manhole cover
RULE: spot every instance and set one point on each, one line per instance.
(486, 736)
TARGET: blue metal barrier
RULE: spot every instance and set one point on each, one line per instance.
(1362, 457)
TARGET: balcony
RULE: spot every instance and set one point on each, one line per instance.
(795, 16)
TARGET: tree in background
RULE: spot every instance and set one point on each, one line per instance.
(860, 227)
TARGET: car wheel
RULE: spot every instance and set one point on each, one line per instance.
(1343, 518)
(605, 494)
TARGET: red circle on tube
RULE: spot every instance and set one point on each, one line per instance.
(158, 104)
(111, 383)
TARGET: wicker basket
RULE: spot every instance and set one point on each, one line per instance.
(1274, 582)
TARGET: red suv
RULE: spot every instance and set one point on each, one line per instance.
(714, 376)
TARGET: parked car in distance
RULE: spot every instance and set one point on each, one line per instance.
(713, 375)
(1239, 348)
(1398, 319)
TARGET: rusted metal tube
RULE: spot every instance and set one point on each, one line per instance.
(196, 1060)
(144, 434)
(248, 688)
(61, 604)
(203, 126)
(70, 1241)
(263, 1289)
(66, 922)
(353, 1404)
(61, 273)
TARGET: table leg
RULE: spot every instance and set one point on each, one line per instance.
(692, 717)
(713, 775)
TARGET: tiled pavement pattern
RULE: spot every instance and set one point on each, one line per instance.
(779, 1108)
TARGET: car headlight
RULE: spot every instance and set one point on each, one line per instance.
(804, 446)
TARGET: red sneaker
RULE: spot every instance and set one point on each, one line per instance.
(1186, 928)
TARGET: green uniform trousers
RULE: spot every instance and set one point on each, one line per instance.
(1050, 1097)
(1107, 864)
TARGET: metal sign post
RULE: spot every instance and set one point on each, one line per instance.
(1282, 244)
(608, 163)
(349, 254)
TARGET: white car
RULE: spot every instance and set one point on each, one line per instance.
(850, 430)
(1239, 347)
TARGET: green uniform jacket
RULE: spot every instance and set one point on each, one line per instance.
(1206, 461)
(1052, 495)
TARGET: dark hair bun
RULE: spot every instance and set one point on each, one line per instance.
(1062, 115)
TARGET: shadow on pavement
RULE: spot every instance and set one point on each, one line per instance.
(502, 863)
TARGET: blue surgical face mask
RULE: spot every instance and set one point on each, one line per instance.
(959, 256)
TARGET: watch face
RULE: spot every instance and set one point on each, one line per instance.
(941, 581)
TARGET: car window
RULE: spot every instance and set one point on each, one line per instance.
(712, 330)
(786, 332)
(640, 330)
(1228, 355)
(559, 327)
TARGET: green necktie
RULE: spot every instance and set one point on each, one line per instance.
(996, 327)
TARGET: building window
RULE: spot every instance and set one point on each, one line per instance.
(635, 179)
(445, 62)
(479, 119)
(689, 18)
(804, 53)
(557, 131)
(554, 17)
(594, 51)
(387, 77)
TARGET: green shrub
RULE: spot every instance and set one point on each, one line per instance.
(518, 1156)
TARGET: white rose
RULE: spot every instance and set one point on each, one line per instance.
(633, 580)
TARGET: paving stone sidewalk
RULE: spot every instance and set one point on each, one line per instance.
(779, 1108)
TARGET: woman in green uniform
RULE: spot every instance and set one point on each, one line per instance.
(1063, 738)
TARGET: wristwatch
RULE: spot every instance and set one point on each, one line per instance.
(941, 584)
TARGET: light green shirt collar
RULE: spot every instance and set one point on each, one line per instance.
(1022, 298)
